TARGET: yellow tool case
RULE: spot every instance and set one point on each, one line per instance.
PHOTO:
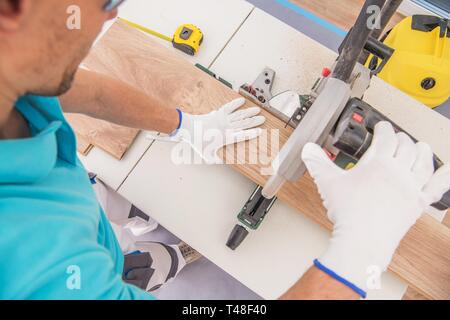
(420, 65)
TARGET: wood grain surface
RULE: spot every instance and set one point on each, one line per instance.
(83, 146)
(422, 259)
(412, 294)
(110, 137)
(446, 220)
(342, 13)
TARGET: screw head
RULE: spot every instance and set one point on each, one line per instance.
(428, 83)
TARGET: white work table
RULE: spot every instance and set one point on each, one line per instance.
(199, 203)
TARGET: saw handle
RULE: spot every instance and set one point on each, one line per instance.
(379, 50)
(353, 135)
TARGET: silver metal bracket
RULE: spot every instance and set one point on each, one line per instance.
(286, 106)
(260, 92)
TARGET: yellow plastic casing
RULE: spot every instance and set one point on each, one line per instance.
(188, 38)
(419, 56)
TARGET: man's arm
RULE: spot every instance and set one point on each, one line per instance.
(317, 285)
(105, 98)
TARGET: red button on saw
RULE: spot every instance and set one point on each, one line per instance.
(326, 72)
(357, 117)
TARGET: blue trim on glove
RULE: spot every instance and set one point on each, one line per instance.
(180, 115)
(92, 178)
(332, 274)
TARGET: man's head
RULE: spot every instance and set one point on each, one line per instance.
(42, 42)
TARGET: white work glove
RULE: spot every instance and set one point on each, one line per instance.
(207, 133)
(374, 204)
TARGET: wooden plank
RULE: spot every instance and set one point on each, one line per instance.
(110, 137)
(446, 220)
(341, 13)
(83, 146)
(422, 259)
(412, 294)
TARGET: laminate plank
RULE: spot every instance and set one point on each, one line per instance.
(422, 259)
(83, 146)
(446, 221)
(342, 13)
(110, 137)
(412, 294)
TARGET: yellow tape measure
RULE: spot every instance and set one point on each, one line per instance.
(187, 38)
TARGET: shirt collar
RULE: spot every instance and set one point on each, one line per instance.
(40, 112)
(31, 159)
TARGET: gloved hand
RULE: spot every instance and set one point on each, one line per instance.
(374, 204)
(207, 133)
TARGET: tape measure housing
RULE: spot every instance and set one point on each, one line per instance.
(188, 38)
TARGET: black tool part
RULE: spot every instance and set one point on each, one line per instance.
(251, 215)
(236, 237)
(186, 33)
(354, 132)
(379, 50)
(306, 102)
(184, 47)
(389, 9)
(255, 209)
(427, 23)
(212, 74)
(428, 83)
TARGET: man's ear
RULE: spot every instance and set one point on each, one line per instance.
(13, 13)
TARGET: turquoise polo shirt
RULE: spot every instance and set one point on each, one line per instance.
(55, 240)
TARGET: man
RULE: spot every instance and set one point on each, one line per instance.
(55, 239)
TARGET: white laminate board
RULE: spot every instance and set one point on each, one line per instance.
(409, 8)
(217, 19)
(265, 41)
(199, 204)
(422, 122)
